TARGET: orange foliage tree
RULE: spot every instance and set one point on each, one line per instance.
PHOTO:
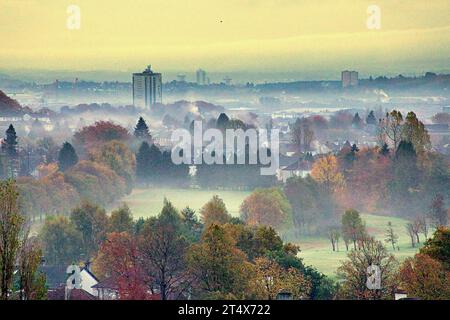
(99, 133)
(326, 171)
(267, 207)
(119, 258)
(425, 278)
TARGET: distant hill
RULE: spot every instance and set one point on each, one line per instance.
(8, 106)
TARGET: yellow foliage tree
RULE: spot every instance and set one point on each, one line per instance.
(325, 171)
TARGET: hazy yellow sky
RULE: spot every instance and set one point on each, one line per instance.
(225, 35)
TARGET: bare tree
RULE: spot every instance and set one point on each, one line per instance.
(417, 225)
(424, 227)
(390, 128)
(410, 229)
(391, 236)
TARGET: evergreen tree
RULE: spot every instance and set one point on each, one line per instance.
(357, 121)
(141, 130)
(222, 121)
(67, 157)
(370, 119)
(9, 149)
(10, 143)
(148, 163)
(384, 149)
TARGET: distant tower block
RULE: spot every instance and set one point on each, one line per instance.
(181, 78)
(349, 79)
(147, 88)
(201, 77)
(227, 81)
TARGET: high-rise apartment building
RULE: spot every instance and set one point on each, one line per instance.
(201, 77)
(147, 88)
(349, 78)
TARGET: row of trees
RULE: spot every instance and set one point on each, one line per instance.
(178, 256)
(20, 254)
(425, 276)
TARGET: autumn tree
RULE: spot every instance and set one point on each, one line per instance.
(414, 131)
(31, 281)
(214, 211)
(219, 268)
(61, 242)
(353, 227)
(267, 207)
(425, 278)
(438, 247)
(390, 236)
(95, 182)
(310, 204)
(325, 170)
(119, 158)
(99, 133)
(163, 248)
(11, 226)
(121, 220)
(119, 259)
(270, 279)
(390, 128)
(437, 213)
(92, 223)
(67, 157)
(354, 272)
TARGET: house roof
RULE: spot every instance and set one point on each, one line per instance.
(90, 273)
(74, 294)
(108, 283)
(301, 165)
(285, 160)
(57, 276)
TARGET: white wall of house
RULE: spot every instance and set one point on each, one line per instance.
(87, 281)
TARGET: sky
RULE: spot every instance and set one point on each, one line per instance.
(226, 35)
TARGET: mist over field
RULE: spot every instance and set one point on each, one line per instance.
(265, 150)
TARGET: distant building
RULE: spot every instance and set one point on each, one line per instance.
(446, 109)
(227, 80)
(349, 78)
(147, 88)
(201, 77)
(181, 78)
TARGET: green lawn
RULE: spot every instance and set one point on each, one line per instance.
(149, 202)
(315, 251)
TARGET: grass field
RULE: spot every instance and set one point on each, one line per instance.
(315, 251)
(148, 202)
